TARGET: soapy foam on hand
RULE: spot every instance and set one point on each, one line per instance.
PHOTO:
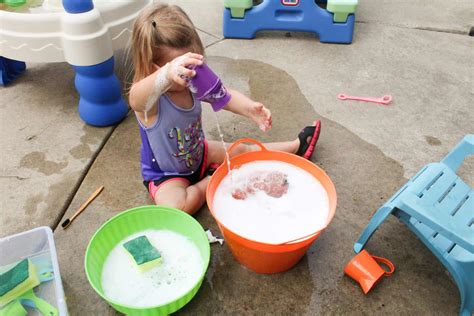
(301, 211)
(177, 274)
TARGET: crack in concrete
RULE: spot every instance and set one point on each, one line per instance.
(422, 28)
(208, 33)
(14, 176)
(216, 42)
(81, 178)
(469, 32)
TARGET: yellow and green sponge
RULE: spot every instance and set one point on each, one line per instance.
(17, 280)
(143, 254)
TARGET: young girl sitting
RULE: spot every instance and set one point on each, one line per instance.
(175, 154)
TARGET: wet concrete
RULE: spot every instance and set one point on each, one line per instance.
(37, 161)
(45, 147)
(364, 178)
(433, 141)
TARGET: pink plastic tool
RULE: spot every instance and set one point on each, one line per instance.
(386, 99)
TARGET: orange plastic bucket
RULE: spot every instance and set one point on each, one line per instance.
(262, 257)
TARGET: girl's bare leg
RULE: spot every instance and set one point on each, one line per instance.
(181, 195)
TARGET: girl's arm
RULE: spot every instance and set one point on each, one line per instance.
(142, 90)
(256, 111)
(145, 93)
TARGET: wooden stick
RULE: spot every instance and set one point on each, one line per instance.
(68, 221)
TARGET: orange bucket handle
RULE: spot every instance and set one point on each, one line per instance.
(245, 140)
(386, 262)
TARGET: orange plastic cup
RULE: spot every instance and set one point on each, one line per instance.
(262, 257)
(364, 268)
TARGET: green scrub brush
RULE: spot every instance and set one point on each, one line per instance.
(143, 254)
(17, 280)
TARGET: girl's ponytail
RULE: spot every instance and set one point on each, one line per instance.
(143, 45)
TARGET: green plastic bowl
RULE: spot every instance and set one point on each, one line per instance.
(133, 221)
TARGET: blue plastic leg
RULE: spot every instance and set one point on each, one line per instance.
(463, 149)
(467, 293)
(237, 28)
(78, 6)
(10, 69)
(467, 306)
(381, 214)
(338, 33)
(101, 102)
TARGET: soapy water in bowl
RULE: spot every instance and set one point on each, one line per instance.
(298, 212)
(176, 275)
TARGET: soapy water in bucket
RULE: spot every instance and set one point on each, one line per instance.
(302, 210)
(176, 275)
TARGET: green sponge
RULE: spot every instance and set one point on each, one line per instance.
(143, 254)
(17, 280)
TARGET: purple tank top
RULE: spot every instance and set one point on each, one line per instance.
(174, 144)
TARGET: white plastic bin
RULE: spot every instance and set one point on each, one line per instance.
(36, 244)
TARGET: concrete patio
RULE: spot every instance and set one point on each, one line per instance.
(418, 51)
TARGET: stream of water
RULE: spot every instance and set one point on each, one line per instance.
(221, 135)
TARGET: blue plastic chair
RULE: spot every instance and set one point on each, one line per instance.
(439, 208)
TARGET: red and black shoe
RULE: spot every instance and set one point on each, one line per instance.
(308, 138)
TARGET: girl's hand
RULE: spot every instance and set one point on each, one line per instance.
(260, 115)
(177, 69)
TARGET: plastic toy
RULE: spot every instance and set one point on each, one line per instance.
(10, 69)
(386, 99)
(365, 269)
(83, 33)
(439, 208)
(335, 24)
(208, 87)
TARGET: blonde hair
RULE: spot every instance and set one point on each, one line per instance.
(160, 26)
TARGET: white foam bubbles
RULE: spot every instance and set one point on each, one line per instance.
(302, 211)
(177, 274)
